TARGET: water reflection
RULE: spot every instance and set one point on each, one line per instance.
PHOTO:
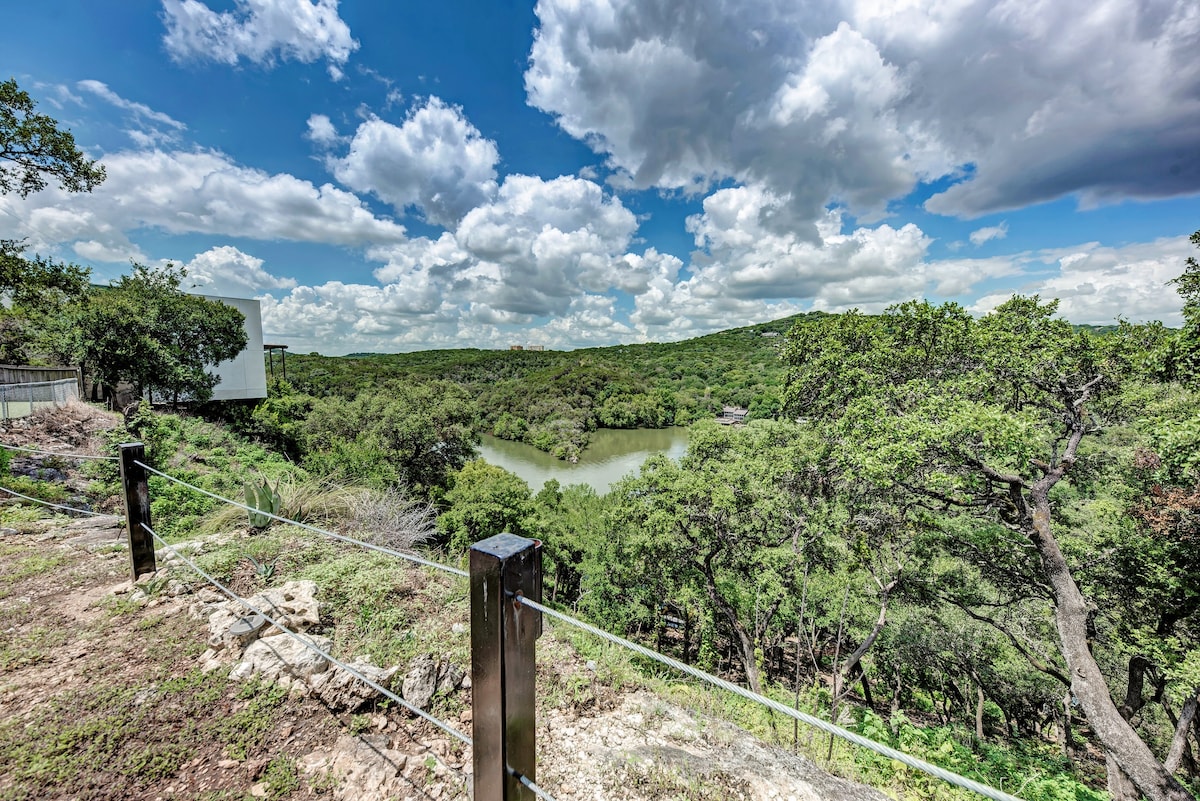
(610, 456)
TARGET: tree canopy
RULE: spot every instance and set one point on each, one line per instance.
(410, 436)
(145, 331)
(36, 148)
(35, 290)
(986, 420)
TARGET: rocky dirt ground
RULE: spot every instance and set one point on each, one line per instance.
(104, 695)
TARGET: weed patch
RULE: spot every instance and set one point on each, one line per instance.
(30, 648)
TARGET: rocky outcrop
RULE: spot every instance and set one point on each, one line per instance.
(647, 744)
(258, 647)
(427, 676)
(283, 658)
(341, 690)
(370, 768)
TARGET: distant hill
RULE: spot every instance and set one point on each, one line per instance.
(554, 399)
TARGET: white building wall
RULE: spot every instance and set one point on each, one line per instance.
(244, 376)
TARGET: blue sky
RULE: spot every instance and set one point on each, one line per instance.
(401, 176)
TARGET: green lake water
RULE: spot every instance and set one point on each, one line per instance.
(611, 454)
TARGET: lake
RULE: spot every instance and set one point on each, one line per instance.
(610, 455)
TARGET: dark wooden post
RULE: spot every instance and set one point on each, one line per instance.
(504, 569)
(137, 508)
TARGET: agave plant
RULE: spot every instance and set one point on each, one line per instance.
(262, 497)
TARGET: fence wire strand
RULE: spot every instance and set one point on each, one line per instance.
(525, 780)
(818, 723)
(55, 505)
(446, 727)
(57, 453)
(324, 532)
(823, 725)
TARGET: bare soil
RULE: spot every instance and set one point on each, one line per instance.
(100, 699)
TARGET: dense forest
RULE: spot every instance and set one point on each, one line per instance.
(552, 400)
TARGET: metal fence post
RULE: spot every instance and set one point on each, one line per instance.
(504, 568)
(137, 508)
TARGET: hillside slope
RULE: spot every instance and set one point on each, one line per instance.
(106, 693)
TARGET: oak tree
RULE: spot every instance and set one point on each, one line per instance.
(36, 148)
(982, 419)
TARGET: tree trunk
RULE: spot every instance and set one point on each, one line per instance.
(861, 651)
(1120, 786)
(743, 641)
(1068, 744)
(1179, 741)
(1125, 749)
(866, 688)
(979, 700)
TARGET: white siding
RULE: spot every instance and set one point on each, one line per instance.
(244, 376)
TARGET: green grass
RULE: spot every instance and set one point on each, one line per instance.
(132, 736)
(36, 564)
(29, 648)
(281, 777)
(244, 730)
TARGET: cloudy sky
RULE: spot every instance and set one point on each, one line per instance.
(402, 176)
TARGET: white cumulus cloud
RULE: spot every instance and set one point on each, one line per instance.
(200, 191)
(229, 272)
(436, 161)
(531, 251)
(259, 31)
(321, 131)
(1099, 285)
(856, 102)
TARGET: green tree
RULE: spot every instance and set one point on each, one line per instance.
(485, 501)
(144, 331)
(37, 148)
(570, 522)
(32, 290)
(38, 293)
(404, 434)
(1184, 355)
(983, 419)
(722, 524)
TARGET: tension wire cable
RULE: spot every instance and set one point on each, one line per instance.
(823, 725)
(525, 780)
(369, 546)
(55, 505)
(57, 453)
(446, 727)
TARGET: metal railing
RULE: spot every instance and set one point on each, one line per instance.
(507, 616)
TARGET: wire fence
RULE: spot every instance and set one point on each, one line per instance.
(22, 400)
(524, 600)
(59, 454)
(315, 529)
(307, 643)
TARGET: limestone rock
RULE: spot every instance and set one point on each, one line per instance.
(427, 676)
(367, 767)
(295, 600)
(340, 690)
(281, 657)
(450, 677)
(293, 605)
(420, 683)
